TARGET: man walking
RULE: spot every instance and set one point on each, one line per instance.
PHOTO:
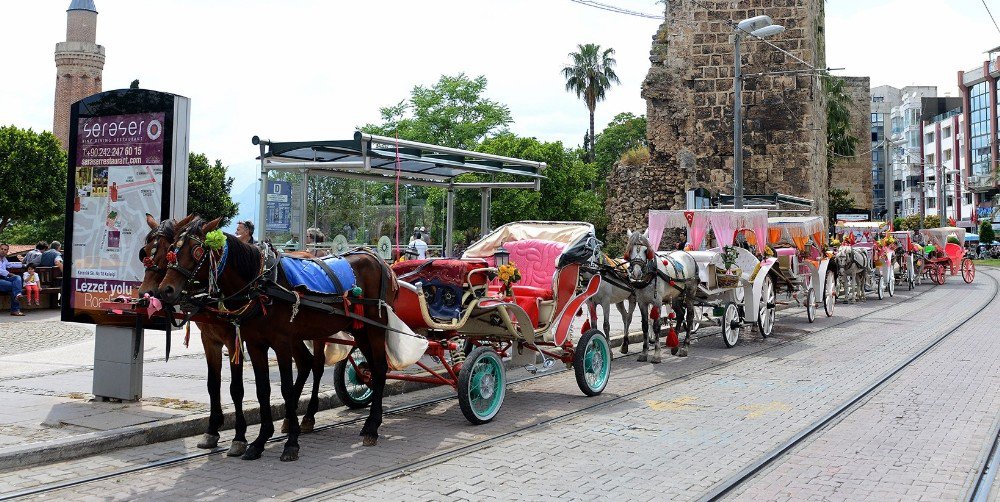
(11, 283)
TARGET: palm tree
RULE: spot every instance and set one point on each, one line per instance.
(589, 76)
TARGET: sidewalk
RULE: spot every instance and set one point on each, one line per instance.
(46, 373)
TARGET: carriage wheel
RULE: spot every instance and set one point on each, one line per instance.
(730, 325)
(592, 362)
(811, 305)
(765, 313)
(932, 273)
(829, 294)
(348, 384)
(890, 285)
(880, 286)
(941, 274)
(968, 270)
(481, 385)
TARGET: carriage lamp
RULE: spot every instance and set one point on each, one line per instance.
(501, 256)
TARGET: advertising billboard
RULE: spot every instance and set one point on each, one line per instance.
(279, 207)
(128, 158)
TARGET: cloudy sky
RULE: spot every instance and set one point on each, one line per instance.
(316, 69)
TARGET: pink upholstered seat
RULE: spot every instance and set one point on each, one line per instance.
(785, 251)
(536, 259)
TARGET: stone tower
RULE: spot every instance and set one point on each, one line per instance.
(79, 64)
(689, 103)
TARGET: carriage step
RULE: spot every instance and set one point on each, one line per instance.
(546, 366)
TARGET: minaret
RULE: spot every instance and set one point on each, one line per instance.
(79, 64)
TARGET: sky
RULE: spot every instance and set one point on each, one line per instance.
(317, 69)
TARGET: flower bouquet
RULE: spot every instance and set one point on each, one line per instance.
(508, 275)
(730, 277)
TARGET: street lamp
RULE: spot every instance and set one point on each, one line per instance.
(759, 27)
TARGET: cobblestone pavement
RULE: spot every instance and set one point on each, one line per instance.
(923, 436)
(32, 335)
(667, 431)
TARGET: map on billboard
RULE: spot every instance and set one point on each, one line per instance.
(119, 179)
(279, 207)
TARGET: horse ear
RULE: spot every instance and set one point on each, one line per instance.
(212, 225)
(183, 223)
(151, 222)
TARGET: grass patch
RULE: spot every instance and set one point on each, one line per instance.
(987, 263)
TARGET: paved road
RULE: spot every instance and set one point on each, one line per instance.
(668, 431)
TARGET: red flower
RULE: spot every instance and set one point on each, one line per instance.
(171, 257)
(148, 262)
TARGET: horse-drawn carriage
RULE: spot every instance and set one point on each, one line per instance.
(803, 266)
(472, 320)
(943, 256)
(908, 259)
(865, 258)
(735, 287)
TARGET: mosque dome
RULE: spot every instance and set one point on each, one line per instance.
(83, 5)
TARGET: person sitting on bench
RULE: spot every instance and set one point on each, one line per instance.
(10, 283)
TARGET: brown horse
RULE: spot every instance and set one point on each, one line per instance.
(259, 299)
(214, 337)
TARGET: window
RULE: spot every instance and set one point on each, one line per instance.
(946, 132)
(967, 198)
(928, 138)
(929, 160)
(931, 203)
(878, 99)
(877, 118)
(979, 126)
(950, 201)
(946, 156)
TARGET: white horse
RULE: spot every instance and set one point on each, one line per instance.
(612, 292)
(658, 280)
(854, 266)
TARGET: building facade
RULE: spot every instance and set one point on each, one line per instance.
(853, 173)
(79, 64)
(884, 99)
(943, 162)
(978, 147)
(905, 136)
(689, 101)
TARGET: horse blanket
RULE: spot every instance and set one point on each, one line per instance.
(330, 275)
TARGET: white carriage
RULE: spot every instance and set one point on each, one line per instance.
(803, 265)
(735, 287)
(868, 235)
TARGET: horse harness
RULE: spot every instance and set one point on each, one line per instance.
(652, 272)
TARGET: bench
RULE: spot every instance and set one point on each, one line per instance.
(51, 287)
(444, 282)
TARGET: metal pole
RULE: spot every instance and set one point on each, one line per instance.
(262, 210)
(941, 199)
(484, 211)
(889, 179)
(449, 216)
(304, 201)
(737, 126)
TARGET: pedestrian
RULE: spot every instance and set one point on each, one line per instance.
(34, 257)
(418, 245)
(32, 284)
(244, 231)
(52, 257)
(315, 238)
(11, 283)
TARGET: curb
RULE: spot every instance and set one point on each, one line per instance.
(92, 443)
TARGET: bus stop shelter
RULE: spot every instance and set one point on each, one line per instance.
(389, 160)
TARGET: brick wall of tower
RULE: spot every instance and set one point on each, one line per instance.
(79, 68)
(854, 174)
(689, 103)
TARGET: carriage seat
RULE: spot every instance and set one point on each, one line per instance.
(746, 261)
(787, 259)
(955, 253)
(708, 263)
(536, 260)
(444, 282)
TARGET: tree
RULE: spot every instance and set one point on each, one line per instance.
(134, 84)
(624, 133)
(209, 189)
(590, 76)
(452, 113)
(33, 174)
(839, 140)
(986, 233)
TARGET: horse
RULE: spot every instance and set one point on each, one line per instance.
(613, 290)
(213, 337)
(658, 280)
(853, 265)
(258, 298)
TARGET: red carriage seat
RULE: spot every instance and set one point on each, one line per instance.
(955, 254)
(536, 260)
(445, 282)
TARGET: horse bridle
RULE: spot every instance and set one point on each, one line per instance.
(149, 260)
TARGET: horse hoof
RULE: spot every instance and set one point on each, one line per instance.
(208, 441)
(624, 349)
(237, 449)
(673, 351)
(682, 353)
(369, 440)
(290, 454)
(308, 424)
(641, 358)
(253, 452)
(284, 426)
(655, 360)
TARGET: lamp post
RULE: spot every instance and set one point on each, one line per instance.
(758, 26)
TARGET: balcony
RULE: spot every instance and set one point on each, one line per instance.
(979, 183)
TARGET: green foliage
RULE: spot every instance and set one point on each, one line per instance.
(209, 189)
(954, 240)
(932, 221)
(911, 222)
(840, 201)
(134, 84)
(625, 133)
(986, 233)
(897, 223)
(454, 112)
(32, 174)
(839, 139)
(30, 232)
(589, 76)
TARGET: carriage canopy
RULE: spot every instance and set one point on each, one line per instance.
(939, 236)
(796, 230)
(724, 222)
(572, 234)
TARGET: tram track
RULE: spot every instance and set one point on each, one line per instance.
(987, 472)
(457, 451)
